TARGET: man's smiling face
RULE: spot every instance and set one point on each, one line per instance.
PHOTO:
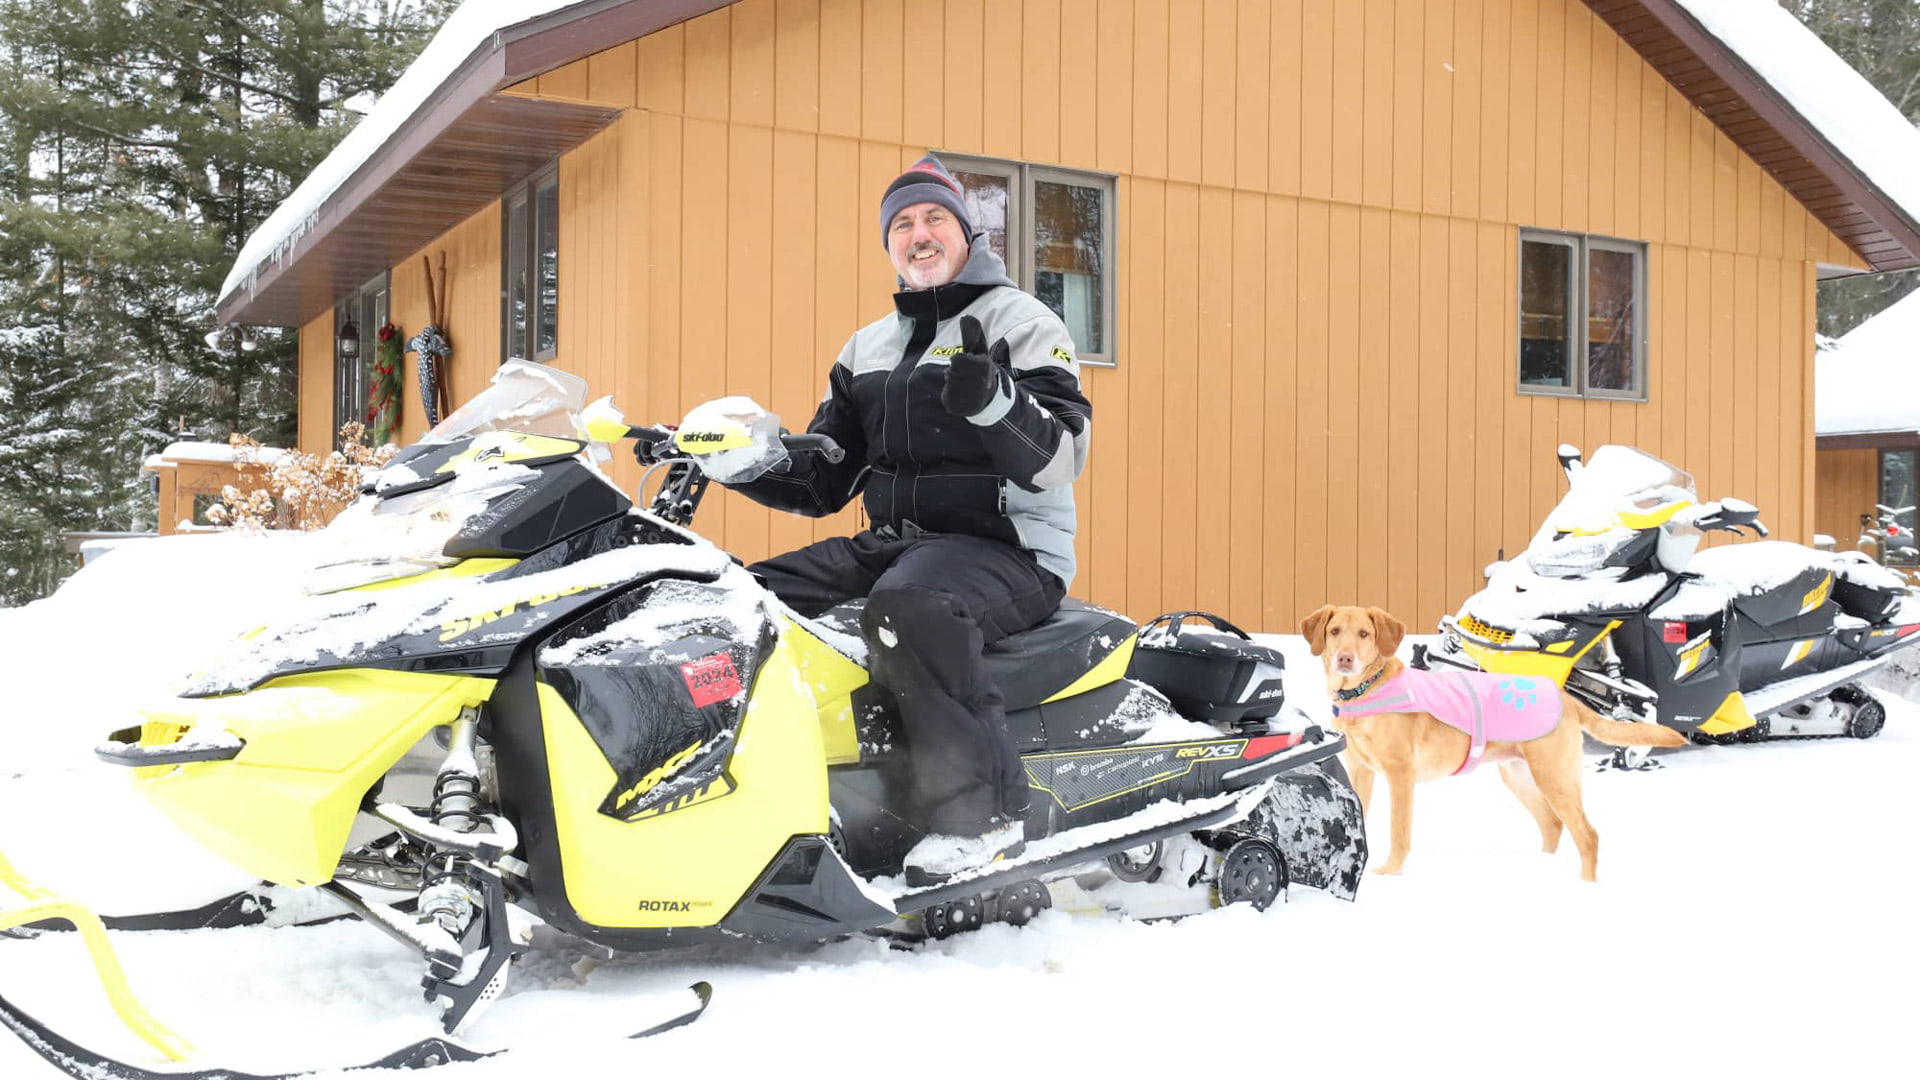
(927, 244)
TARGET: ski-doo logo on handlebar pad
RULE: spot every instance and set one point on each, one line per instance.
(702, 436)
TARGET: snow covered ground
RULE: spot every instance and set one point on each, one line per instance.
(1754, 916)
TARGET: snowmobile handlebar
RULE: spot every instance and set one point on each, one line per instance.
(814, 444)
(1730, 515)
(657, 445)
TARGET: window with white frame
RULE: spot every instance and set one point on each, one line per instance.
(1055, 229)
(530, 268)
(1583, 315)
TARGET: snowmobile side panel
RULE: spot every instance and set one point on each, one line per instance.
(658, 677)
(1694, 665)
(832, 678)
(1731, 716)
(686, 868)
(315, 745)
(807, 894)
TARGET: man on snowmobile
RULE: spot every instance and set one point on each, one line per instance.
(967, 455)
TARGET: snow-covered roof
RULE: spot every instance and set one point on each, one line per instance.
(1856, 130)
(1870, 380)
(469, 27)
(213, 453)
(1856, 119)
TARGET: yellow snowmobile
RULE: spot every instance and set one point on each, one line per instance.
(1614, 600)
(538, 700)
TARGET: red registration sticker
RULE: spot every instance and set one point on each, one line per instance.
(1675, 633)
(710, 679)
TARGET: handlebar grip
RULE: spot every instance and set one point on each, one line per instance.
(820, 444)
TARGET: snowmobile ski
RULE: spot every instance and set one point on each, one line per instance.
(83, 1064)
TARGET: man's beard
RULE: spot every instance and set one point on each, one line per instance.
(930, 274)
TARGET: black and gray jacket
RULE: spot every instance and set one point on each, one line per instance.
(1006, 473)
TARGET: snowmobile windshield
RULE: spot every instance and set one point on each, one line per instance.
(524, 396)
(375, 540)
(1612, 501)
(1619, 486)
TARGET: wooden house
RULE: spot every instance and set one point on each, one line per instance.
(1348, 272)
(1867, 432)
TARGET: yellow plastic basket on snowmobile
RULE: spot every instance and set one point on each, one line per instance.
(39, 904)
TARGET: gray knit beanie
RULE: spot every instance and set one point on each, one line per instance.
(926, 181)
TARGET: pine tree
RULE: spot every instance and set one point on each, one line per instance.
(140, 144)
(1881, 40)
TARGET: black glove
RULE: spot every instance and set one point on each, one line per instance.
(973, 375)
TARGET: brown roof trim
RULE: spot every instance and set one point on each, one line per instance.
(1868, 440)
(1761, 122)
(392, 205)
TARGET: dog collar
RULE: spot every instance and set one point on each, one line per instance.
(1361, 690)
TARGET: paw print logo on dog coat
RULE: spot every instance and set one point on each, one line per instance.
(1519, 693)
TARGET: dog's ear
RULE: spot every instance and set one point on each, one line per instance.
(1314, 628)
(1388, 629)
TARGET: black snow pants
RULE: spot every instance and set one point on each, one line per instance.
(933, 603)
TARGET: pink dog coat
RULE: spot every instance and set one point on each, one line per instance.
(1488, 707)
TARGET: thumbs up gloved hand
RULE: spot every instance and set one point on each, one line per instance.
(973, 374)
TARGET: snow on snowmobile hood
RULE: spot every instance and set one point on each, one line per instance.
(1610, 501)
(442, 615)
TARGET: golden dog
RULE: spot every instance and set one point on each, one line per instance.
(1356, 647)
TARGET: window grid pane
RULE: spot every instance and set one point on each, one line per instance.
(1069, 232)
(1546, 310)
(989, 204)
(1612, 321)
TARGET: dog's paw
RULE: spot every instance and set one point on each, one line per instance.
(1388, 869)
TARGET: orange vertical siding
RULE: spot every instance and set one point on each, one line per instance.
(315, 393)
(1849, 484)
(1319, 215)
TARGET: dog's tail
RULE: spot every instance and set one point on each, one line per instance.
(1622, 733)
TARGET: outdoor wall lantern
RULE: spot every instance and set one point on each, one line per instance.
(349, 340)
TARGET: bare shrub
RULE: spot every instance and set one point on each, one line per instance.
(295, 490)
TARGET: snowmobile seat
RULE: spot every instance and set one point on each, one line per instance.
(1039, 662)
(1770, 581)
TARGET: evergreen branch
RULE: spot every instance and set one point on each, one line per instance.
(232, 80)
(124, 140)
(224, 14)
